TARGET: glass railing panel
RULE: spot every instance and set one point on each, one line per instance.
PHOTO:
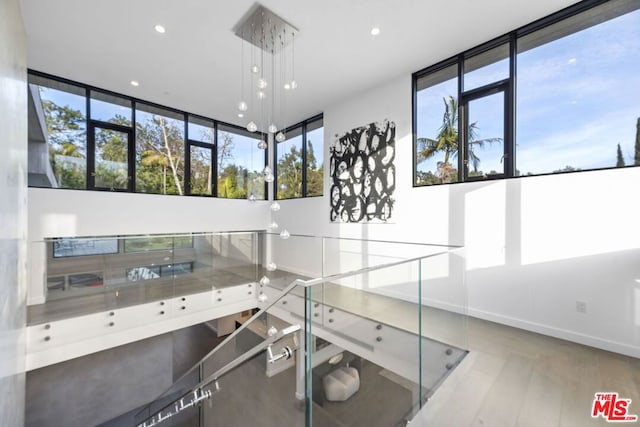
(293, 257)
(366, 347)
(84, 275)
(444, 298)
(370, 337)
(221, 260)
(341, 255)
(267, 369)
(377, 326)
(258, 390)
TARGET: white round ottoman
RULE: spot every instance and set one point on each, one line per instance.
(341, 384)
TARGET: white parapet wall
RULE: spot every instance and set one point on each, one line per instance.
(66, 339)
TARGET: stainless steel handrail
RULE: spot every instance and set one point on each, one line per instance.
(197, 393)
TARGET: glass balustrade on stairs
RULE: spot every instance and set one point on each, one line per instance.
(347, 333)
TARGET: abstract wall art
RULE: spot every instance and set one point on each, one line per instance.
(363, 174)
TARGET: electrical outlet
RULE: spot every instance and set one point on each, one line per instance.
(581, 307)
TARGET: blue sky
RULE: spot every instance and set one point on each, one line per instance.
(577, 98)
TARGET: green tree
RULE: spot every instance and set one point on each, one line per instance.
(315, 174)
(66, 129)
(447, 142)
(201, 173)
(225, 149)
(567, 168)
(290, 174)
(160, 154)
(111, 168)
(232, 182)
(619, 158)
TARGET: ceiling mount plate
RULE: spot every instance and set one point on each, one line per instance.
(265, 30)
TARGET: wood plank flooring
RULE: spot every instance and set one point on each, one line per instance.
(517, 378)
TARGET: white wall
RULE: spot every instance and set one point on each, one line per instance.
(13, 206)
(534, 245)
(67, 213)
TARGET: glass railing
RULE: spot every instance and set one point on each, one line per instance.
(93, 274)
(377, 327)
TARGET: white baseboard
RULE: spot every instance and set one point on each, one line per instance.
(565, 334)
(552, 331)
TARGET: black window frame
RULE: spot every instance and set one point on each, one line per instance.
(509, 85)
(242, 131)
(303, 129)
(184, 115)
(189, 142)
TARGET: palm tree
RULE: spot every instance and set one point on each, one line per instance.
(447, 141)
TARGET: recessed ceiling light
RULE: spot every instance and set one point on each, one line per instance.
(159, 28)
(134, 83)
(375, 31)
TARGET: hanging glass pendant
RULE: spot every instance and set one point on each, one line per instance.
(252, 197)
(242, 106)
(275, 206)
(284, 234)
(252, 127)
(264, 281)
(293, 84)
(273, 225)
(255, 69)
(268, 174)
(261, 95)
(272, 266)
(263, 297)
(262, 144)
(262, 83)
(272, 128)
(280, 137)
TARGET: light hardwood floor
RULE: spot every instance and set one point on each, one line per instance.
(511, 377)
(517, 378)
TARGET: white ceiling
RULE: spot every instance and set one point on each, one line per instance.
(195, 65)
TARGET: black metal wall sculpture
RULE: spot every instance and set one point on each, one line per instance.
(363, 176)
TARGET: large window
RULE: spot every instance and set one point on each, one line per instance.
(240, 163)
(572, 80)
(58, 146)
(159, 151)
(299, 161)
(289, 166)
(437, 142)
(200, 146)
(581, 111)
(64, 247)
(315, 158)
(110, 161)
(82, 137)
(157, 243)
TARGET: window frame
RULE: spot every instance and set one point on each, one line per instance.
(92, 125)
(509, 85)
(303, 153)
(240, 130)
(184, 115)
(189, 142)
